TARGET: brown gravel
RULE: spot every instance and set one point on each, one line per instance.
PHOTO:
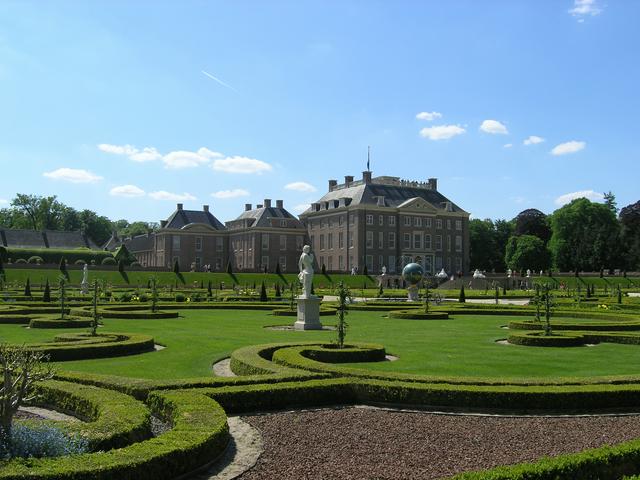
(367, 443)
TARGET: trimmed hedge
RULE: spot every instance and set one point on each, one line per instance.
(200, 434)
(68, 322)
(113, 419)
(331, 353)
(121, 313)
(591, 326)
(81, 346)
(15, 319)
(418, 315)
(538, 339)
(53, 255)
(256, 360)
(285, 312)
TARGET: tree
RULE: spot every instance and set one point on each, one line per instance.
(532, 222)
(344, 297)
(610, 202)
(263, 293)
(585, 236)
(462, 298)
(527, 252)
(95, 314)
(21, 369)
(630, 235)
(63, 268)
(176, 267)
(46, 297)
(62, 294)
(482, 244)
(154, 294)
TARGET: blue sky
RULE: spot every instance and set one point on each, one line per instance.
(127, 107)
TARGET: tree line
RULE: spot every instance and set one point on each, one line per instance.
(580, 236)
(35, 212)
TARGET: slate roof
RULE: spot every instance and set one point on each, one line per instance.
(140, 243)
(394, 196)
(262, 216)
(180, 218)
(18, 238)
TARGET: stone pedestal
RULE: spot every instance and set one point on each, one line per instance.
(308, 313)
(413, 293)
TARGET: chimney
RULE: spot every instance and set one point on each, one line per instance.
(279, 204)
(259, 205)
(381, 201)
(163, 223)
(433, 183)
(205, 208)
(347, 180)
(366, 177)
(267, 203)
(247, 207)
(332, 184)
(179, 206)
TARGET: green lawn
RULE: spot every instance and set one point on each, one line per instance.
(462, 346)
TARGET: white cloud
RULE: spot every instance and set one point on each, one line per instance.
(301, 208)
(238, 164)
(568, 147)
(118, 149)
(173, 160)
(148, 154)
(300, 187)
(3, 201)
(568, 197)
(176, 197)
(493, 127)
(428, 116)
(533, 140)
(583, 8)
(442, 132)
(73, 175)
(183, 159)
(507, 145)
(127, 191)
(236, 192)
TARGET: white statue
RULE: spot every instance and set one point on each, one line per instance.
(305, 264)
(528, 272)
(384, 270)
(84, 285)
(509, 272)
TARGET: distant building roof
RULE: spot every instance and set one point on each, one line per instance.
(383, 191)
(140, 243)
(264, 215)
(18, 238)
(181, 218)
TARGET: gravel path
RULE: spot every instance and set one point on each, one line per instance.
(223, 368)
(364, 443)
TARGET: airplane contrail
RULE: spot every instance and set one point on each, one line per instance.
(219, 81)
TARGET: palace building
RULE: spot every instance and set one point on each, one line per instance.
(387, 222)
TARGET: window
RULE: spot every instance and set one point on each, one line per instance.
(380, 262)
(392, 220)
(458, 264)
(283, 242)
(380, 239)
(438, 263)
(175, 242)
(448, 243)
(340, 240)
(369, 219)
(448, 224)
(427, 222)
(300, 242)
(219, 244)
(352, 219)
(392, 239)
(198, 245)
(417, 221)
(381, 220)
(369, 239)
(428, 264)
(458, 224)
(369, 263)
(218, 263)
(407, 221)
(330, 222)
(406, 241)
(427, 242)
(438, 245)
(322, 241)
(264, 263)
(340, 263)
(350, 235)
(265, 241)
(392, 264)
(283, 223)
(330, 241)
(283, 263)
(340, 220)
(330, 266)
(458, 243)
(438, 224)
(417, 241)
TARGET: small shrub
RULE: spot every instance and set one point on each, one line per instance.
(180, 297)
(35, 259)
(27, 288)
(80, 262)
(20, 260)
(143, 297)
(46, 297)
(124, 297)
(462, 298)
(263, 293)
(108, 261)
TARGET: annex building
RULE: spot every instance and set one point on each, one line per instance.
(374, 222)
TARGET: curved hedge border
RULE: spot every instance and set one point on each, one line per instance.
(592, 326)
(106, 312)
(81, 346)
(285, 312)
(68, 322)
(256, 360)
(418, 315)
(199, 435)
(114, 419)
(327, 353)
(15, 319)
(572, 339)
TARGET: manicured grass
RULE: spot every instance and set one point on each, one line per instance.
(462, 346)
